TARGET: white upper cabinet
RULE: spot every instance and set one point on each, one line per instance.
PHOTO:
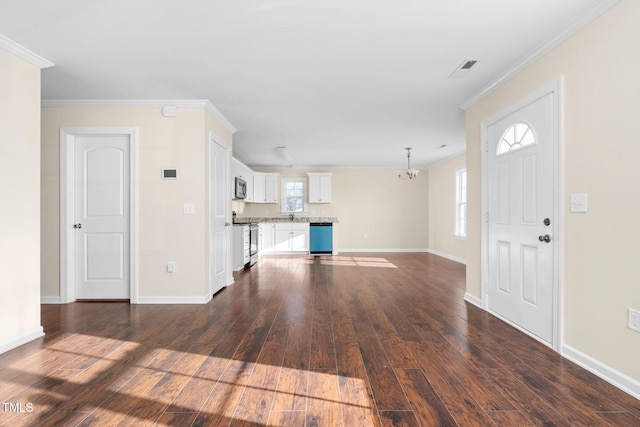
(265, 187)
(240, 170)
(319, 187)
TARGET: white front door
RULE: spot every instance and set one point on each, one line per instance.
(219, 195)
(101, 224)
(520, 162)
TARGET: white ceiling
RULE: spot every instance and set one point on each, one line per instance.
(341, 83)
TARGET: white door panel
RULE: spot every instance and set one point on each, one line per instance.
(520, 198)
(102, 216)
(219, 189)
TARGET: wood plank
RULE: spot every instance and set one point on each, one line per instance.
(287, 418)
(510, 418)
(358, 407)
(218, 410)
(462, 406)
(324, 407)
(526, 400)
(177, 418)
(197, 390)
(399, 419)
(386, 390)
(323, 355)
(427, 406)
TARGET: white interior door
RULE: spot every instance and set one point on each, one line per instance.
(102, 216)
(219, 188)
(521, 217)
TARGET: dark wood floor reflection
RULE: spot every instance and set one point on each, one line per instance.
(355, 340)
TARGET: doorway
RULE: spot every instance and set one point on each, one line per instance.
(521, 214)
(219, 213)
(97, 214)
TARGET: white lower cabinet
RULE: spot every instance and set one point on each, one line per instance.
(267, 239)
(241, 250)
(291, 237)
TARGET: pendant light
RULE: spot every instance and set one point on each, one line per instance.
(409, 173)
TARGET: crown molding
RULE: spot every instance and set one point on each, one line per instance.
(536, 54)
(220, 117)
(24, 53)
(142, 103)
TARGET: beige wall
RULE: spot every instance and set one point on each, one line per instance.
(392, 213)
(20, 198)
(601, 155)
(442, 210)
(165, 233)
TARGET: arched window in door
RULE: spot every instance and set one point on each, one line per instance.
(517, 136)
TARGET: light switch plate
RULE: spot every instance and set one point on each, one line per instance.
(189, 208)
(579, 203)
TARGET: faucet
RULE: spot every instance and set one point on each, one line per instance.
(291, 216)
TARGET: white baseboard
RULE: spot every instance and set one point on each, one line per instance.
(54, 299)
(174, 300)
(12, 343)
(452, 258)
(622, 381)
(471, 299)
(361, 250)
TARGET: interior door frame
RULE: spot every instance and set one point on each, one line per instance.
(215, 139)
(68, 135)
(555, 87)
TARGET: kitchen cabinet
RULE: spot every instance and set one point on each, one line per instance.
(240, 170)
(291, 237)
(267, 238)
(265, 187)
(319, 187)
(241, 248)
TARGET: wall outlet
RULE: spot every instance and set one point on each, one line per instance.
(634, 319)
(189, 208)
(171, 267)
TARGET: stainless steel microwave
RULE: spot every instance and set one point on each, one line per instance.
(241, 189)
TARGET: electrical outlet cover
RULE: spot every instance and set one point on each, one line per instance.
(634, 319)
(579, 203)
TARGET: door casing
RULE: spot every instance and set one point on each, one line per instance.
(555, 88)
(215, 139)
(67, 203)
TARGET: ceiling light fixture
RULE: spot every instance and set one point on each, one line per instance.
(284, 152)
(409, 173)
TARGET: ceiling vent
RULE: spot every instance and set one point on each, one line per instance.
(463, 69)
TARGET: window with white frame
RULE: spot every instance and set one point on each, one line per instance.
(293, 190)
(461, 203)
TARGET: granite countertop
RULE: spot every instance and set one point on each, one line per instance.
(246, 220)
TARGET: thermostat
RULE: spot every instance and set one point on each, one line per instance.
(169, 173)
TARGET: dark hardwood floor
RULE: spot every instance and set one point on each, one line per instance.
(353, 340)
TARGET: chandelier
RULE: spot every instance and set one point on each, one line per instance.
(409, 173)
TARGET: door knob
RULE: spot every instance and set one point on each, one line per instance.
(545, 238)
(77, 225)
